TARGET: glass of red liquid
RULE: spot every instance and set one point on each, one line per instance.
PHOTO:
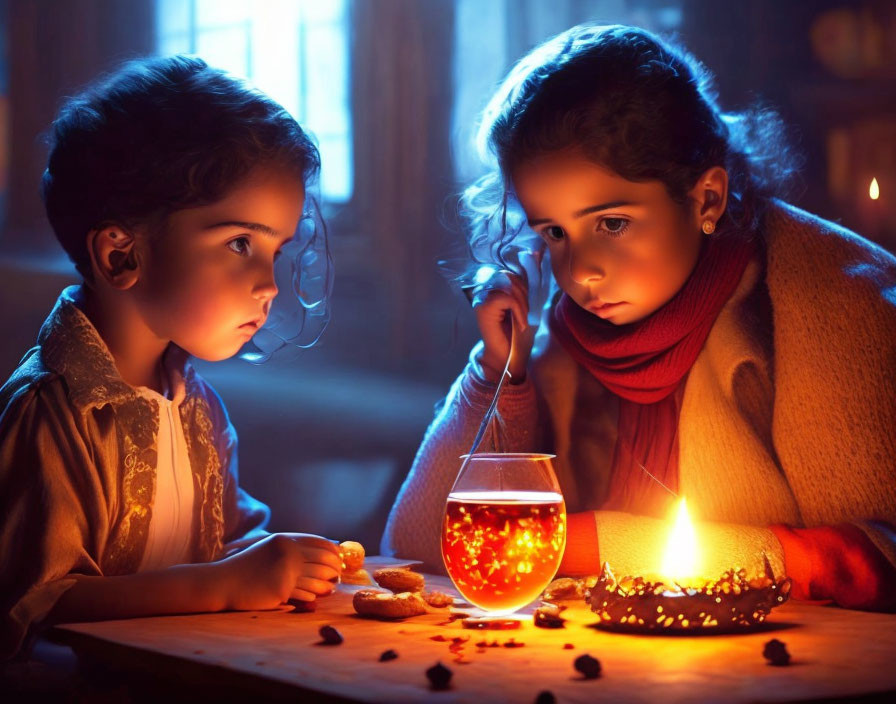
(504, 529)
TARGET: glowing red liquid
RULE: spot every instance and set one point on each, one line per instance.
(501, 549)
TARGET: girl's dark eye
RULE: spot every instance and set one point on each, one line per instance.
(553, 233)
(240, 245)
(614, 226)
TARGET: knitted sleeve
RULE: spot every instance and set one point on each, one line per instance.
(413, 528)
(834, 300)
(841, 564)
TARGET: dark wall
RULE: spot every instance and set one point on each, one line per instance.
(53, 49)
(829, 68)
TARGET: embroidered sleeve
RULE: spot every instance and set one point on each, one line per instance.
(52, 507)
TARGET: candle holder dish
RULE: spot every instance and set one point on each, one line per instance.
(732, 603)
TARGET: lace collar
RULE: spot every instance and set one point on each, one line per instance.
(72, 347)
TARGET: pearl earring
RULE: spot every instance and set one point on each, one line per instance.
(709, 227)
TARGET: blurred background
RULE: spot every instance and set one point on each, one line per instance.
(392, 90)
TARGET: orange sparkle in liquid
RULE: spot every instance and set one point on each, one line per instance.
(501, 549)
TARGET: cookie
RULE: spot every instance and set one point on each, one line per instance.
(386, 605)
(399, 579)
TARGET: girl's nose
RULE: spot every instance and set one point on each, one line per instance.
(266, 288)
(584, 265)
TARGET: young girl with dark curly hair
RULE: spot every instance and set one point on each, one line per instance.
(702, 337)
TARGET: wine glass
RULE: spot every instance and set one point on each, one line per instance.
(504, 529)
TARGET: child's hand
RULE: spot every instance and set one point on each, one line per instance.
(496, 311)
(283, 566)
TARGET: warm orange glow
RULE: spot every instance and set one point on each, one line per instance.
(502, 548)
(874, 189)
(681, 560)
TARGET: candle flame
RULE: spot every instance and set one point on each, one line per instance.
(680, 559)
(874, 189)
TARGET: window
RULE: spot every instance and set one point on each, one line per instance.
(296, 51)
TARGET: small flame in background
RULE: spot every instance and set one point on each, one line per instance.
(680, 561)
(874, 189)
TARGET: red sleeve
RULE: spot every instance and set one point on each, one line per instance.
(581, 556)
(840, 564)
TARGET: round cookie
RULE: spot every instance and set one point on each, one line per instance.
(399, 579)
(380, 604)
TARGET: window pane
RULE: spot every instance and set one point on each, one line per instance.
(319, 11)
(296, 51)
(173, 17)
(336, 169)
(327, 90)
(275, 53)
(218, 13)
(174, 44)
(225, 48)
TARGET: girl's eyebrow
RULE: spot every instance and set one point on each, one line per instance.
(253, 226)
(587, 211)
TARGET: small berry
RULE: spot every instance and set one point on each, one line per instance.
(439, 676)
(776, 653)
(588, 666)
(330, 636)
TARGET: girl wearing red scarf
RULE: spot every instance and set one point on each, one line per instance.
(700, 337)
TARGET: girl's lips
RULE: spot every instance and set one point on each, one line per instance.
(604, 309)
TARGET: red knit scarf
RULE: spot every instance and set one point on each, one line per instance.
(646, 364)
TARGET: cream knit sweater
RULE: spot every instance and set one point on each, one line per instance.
(788, 416)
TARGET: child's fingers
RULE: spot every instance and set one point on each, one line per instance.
(315, 586)
(521, 296)
(516, 300)
(322, 572)
(302, 595)
(496, 304)
(322, 557)
(518, 311)
(314, 541)
(519, 288)
(492, 298)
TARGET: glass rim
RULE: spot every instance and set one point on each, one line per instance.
(494, 456)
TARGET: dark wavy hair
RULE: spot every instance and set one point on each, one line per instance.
(629, 101)
(159, 135)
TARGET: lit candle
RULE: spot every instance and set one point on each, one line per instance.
(680, 559)
(872, 211)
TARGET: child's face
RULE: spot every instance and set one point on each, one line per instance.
(207, 282)
(619, 249)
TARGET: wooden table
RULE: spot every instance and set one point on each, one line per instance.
(276, 655)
